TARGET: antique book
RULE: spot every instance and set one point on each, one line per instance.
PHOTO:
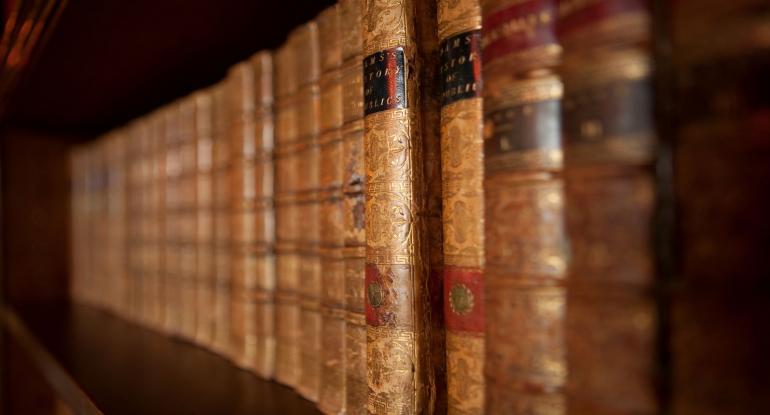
(187, 218)
(155, 249)
(350, 13)
(287, 173)
(204, 218)
(220, 171)
(525, 257)
(608, 134)
(331, 398)
(462, 151)
(405, 339)
(172, 319)
(136, 217)
(307, 72)
(719, 63)
(252, 252)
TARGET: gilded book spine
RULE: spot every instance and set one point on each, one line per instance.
(350, 13)
(403, 324)
(307, 71)
(187, 218)
(525, 258)
(170, 208)
(331, 399)
(720, 55)
(459, 30)
(608, 134)
(263, 290)
(221, 168)
(204, 226)
(287, 316)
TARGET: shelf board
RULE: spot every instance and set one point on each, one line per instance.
(123, 368)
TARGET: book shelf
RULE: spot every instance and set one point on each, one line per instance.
(86, 69)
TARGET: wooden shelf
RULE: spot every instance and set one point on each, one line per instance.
(120, 368)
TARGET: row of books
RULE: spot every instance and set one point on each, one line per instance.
(355, 216)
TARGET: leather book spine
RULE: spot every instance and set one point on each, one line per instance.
(172, 321)
(331, 398)
(307, 71)
(116, 208)
(136, 218)
(462, 151)
(608, 133)
(263, 294)
(525, 244)
(402, 300)
(287, 315)
(204, 226)
(240, 82)
(221, 169)
(156, 248)
(187, 218)
(354, 232)
(720, 149)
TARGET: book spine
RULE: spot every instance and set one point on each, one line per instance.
(262, 295)
(136, 218)
(720, 103)
(404, 332)
(117, 212)
(608, 134)
(221, 169)
(331, 399)
(525, 258)
(287, 316)
(354, 232)
(187, 218)
(459, 31)
(171, 303)
(242, 135)
(156, 249)
(204, 226)
(307, 70)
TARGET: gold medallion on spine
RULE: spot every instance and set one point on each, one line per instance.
(331, 399)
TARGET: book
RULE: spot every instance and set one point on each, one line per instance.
(609, 135)
(136, 218)
(155, 248)
(718, 61)
(525, 243)
(331, 398)
(287, 315)
(307, 72)
(187, 218)
(353, 178)
(204, 221)
(221, 202)
(459, 31)
(169, 210)
(405, 339)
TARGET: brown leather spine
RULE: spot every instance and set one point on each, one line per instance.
(525, 254)
(403, 301)
(307, 71)
(331, 399)
(187, 218)
(462, 151)
(609, 140)
(171, 305)
(221, 174)
(287, 316)
(204, 229)
(136, 218)
(156, 248)
(719, 339)
(350, 13)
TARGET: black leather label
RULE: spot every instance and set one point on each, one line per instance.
(460, 69)
(385, 81)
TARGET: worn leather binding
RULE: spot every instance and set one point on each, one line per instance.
(186, 218)
(287, 317)
(402, 300)
(221, 202)
(459, 31)
(252, 228)
(204, 223)
(350, 14)
(331, 398)
(307, 71)
(608, 129)
(525, 368)
(170, 280)
(719, 339)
